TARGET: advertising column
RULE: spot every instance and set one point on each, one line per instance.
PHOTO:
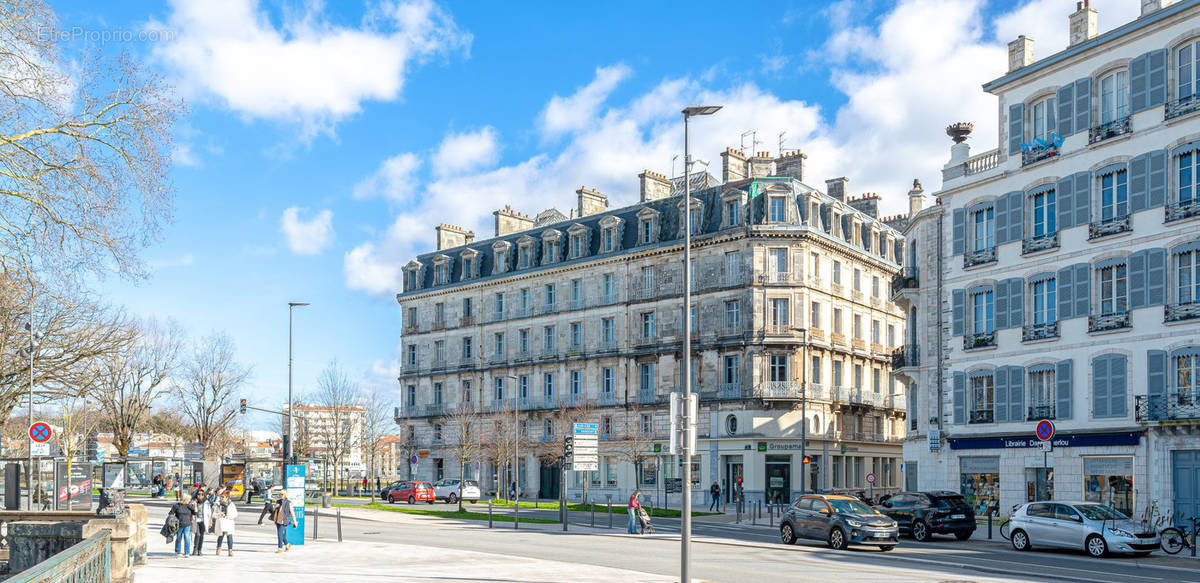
(294, 476)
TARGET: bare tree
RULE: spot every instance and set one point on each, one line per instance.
(466, 426)
(376, 420)
(85, 147)
(210, 383)
(335, 429)
(77, 419)
(128, 383)
(636, 443)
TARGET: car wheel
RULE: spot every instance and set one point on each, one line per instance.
(1096, 546)
(451, 499)
(412, 500)
(837, 539)
(886, 548)
(920, 530)
(786, 534)
(963, 534)
(1020, 540)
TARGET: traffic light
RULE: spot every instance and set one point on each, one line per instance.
(243, 406)
(807, 459)
(568, 446)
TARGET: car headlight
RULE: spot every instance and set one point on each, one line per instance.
(1120, 532)
(853, 523)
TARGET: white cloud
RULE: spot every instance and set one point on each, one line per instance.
(467, 151)
(394, 180)
(565, 114)
(305, 70)
(307, 237)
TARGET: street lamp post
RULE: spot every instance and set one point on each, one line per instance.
(34, 337)
(516, 452)
(290, 454)
(803, 406)
(685, 513)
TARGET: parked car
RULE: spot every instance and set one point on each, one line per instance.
(839, 521)
(1097, 529)
(448, 490)
(383, 492)
(412, 492)
(924, 514)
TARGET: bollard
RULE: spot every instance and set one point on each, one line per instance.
(316, 520)
(593, 505)
(771, 514)
(610, 512)
(989, 526)
(754, 514)
(339, 524)
(738, 507)
(489, 513)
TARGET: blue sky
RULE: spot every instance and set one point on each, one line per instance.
(324, 141)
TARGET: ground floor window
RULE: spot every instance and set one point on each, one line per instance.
(779, 478)
(1039, 484)
(647, 471)
(980, 483)
(1109, 480)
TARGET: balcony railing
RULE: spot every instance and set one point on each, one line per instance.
(1108, 130)
(732, 330)
(906, 279)
(411, 328)
(439, 363)
(647, 397)
(1177, 211)
(1174, 406)
(466, 321)
(979, 340)
(981, 416)
(730, 391)
(607, 345)
(438, 324)
(575, 348)
(1039, 243)
(497, 357)
(776, 277)
(577, 304)
(973, 165)
(780, 329)
(1039, 332)
(1181, 106)
(1105, 322)
(778, 390)
(973, 258)
(1108, 227)
(858, 343)
(550, 352)
(837, 338)
(1038, 153)
(523, 355)
(839, 394)
(607, 398)
(608, 299)
(1039, 412)
(549, 308)
(1180, 312)
(856, 295)
(905, 356)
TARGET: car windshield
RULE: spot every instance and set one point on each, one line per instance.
(471, 483)
(1100, 512)
(850, 507)
(955, 503)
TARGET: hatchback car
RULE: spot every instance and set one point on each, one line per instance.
(839, 521)
(1095, 528)
(412, 492)
(383, 492)
(924, 514)
(448, 490)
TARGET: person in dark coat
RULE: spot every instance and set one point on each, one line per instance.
(715, 491)
(185, 513)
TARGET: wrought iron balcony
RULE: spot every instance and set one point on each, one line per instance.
(1108, 227)
(1108, 130)
(466, 321)
(979, 340)
(1180, 312)
(577, 304)
(523, 355)
(549, 308)
(608, 299)
(1104, 322)
(906, 279)
(905, 356)
(1039, 412)
(1184, 209)
(607, 398)
(778, 390)
(647, 397)
(777, 277)
(981, 416)
(439, 363)
(730, 391)
(973, 258)
(438, 324)
(1039, 332)
(1037, 154)
(1039, 243)
(1173, 406)
(1181, 106)
(607, 345)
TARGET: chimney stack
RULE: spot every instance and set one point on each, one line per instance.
(916, 199)
(760, 165)
(733, 166)
(1149, 6)
(510, 221)
(654, 185)
(836, 187)
(791, 164)
(1083, 22)
(591, 201)
(449, 236)
(1020, 53)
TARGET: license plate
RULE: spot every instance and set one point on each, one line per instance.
(882, 535)
(958, 516)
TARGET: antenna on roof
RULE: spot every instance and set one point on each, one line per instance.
(673, 159)
(781, 135)
(753, 141)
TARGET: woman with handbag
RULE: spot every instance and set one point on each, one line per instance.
(226, 523)
(282, 515)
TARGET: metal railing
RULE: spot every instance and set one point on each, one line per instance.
(979, 340)
(607, 398)
(1113, 226)
(906, 279)
(777, 277)
(1039, 332)
(1183, 209)
(1173, 406)
(549, 308)
(1108, 130)
(439, 364)
(466, 321)
(87, 561)
(1039, 243)
(730, 390)
(1181, 106)
(608, 299)
(981, 416)
(1038, 412)
(607, 345)
(973, 258)
(647, 397)
(973, 165)
(1105, 322)
(778, 390)
(1180, 312)
(905, 356)
(1034, 155)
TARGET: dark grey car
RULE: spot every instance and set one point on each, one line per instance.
(840, 521)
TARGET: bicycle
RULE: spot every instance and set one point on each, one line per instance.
(1174, 540)
(1004, 528)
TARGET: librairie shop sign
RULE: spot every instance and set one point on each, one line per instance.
(1060, 440)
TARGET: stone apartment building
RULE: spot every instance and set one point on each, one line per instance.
(316, 430)
(1057, 278)
(579, 317)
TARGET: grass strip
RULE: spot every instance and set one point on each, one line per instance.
(580, 507)
(434, 511)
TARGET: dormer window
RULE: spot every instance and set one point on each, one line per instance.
(551, 246)
(470, 265)
(647, 226)
(610, 234)
(732, 208)
(696, 217)
(412, 275)
(577, 241)
(776, 209)
(500, 257)
(525, 252)
(441, 270)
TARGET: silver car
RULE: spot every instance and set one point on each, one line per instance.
(1096, 528)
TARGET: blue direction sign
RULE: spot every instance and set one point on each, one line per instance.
(586, 429)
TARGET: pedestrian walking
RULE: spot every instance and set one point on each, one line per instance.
(200, 525)
(378, 485)
(635, 504)
(226, 522)
(283, 516)
(156, 489)
(185, 513)
(715, 490)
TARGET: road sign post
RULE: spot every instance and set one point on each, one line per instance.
(1045, 432)
(40, 432)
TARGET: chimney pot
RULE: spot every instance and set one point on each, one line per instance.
(1020, 53)
(1082, 23)
(653, 185)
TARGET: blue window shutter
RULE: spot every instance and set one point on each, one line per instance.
(1016, 393)
(1156, 384)
(960, 398)
(1016, 215)
(1156, 73)
(1118, 385)
(1000, 397)
(1065, 202)
(1016, 128)
(1137, 279)
(1156, 276)
(1082, 292)
(1139, 88)
(960, 231)
(1139, 181)
(1000, 299)
(1100, 400)
(1062, 376)
(1065, 285)
(1016, 302)
(1083, 104)
(1000, 207)
(1157, 187)
(958, 311)
(1066, 110)
(1082, 198)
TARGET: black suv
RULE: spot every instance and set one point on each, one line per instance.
(924, 514)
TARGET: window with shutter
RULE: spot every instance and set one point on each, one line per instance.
(1016, 393)
(1082, 198)
(960, 231)
(1016, 215)
(1001, 395)
(1156, 73)
(1001, 317)
(1100, 387)
(1139, 180)
(960, 398)
(1118, 385)
(1066, 287)
(1042, 215)
(1065, 202)
(1157, 187)
(1083, 103)
(1000, 224)
(957, 312)
(1016, 128)
(1139, 83)
(1063, 396)
(1066, 110)
(1082, 292)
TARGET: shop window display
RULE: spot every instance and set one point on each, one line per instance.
(980, 483)
(1109, 480)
